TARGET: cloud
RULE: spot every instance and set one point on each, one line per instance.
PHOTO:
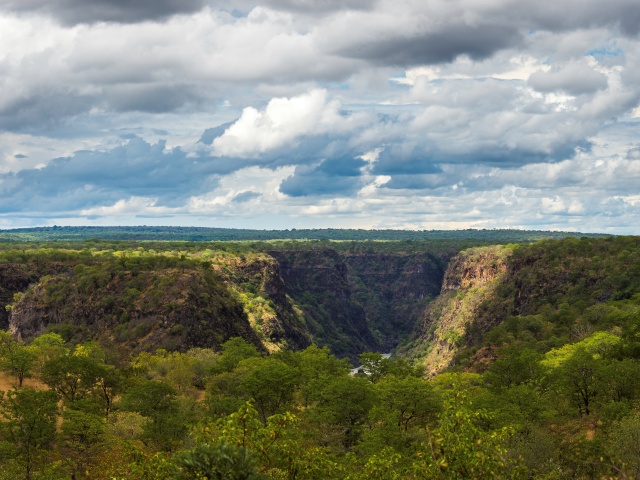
(336, 176)
(245, 196)
(72, 12)
(153, 98)
(92, 178)
(574, 78)
(411, 114)
(433, 47)
(283, 121)
(312, 7)
(39, 110)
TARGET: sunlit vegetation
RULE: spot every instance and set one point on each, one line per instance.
(124, 375)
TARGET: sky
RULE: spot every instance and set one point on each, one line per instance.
(404, 114)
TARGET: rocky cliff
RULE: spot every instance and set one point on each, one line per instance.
(471, 278)
(394, 289)
(170, 308)
(350, 298)
(318, 282)
(257, 282)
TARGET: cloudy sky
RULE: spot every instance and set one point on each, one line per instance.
(420, 114)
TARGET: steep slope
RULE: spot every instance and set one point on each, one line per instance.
(472, 278)
(142, 309)
(318, 282)
(544, 295)
(394, 289)
(255, 279)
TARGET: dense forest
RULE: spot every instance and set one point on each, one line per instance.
(167, 360)
(208, 234)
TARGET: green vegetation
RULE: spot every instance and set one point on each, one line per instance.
(169, 360)
(204, 234)
(237, 414)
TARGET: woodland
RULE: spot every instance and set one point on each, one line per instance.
(511, 357)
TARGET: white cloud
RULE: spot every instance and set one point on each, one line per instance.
(466, 113)
(282, 121)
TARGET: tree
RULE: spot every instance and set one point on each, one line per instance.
(623, 447)
(578, 378)
(15, 358)
(221, 460)
(158, 401)
(270, 384)
(47, 347)
(461, 449)
(313, 364)
(345, 402)
(82, 435)
(407, 401)
(72, 376)
(29, 422)
(19, 361)
(234, 351)
(109, 384)
(515, 366)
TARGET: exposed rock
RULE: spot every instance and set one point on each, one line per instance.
(394, 289)
(271, 312)
(171, 308)
(471, 278)
(317, 280)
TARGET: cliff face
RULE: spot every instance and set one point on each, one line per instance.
(13, 278)
(471, 278)
(259, 286)
(394, 290)
(317, 280)
(350, 299)
(170, 308)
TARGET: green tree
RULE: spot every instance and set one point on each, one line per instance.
(220, 460)
(515, 365)
(345, 402)
(234, 351)
(109, 384)
(313, 364)
(19, 362)
(47, 347)
(82, 436)
(29, 422)
(623, 447)
(271, 385)
(578, 379)
(407, 401)
(462, 449)
(159, 402)
(72, 376)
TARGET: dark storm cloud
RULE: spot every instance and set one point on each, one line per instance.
(442, 46)
(90, 178)
(405, 159)
(335, 176)
(151, 98)
(42, 110)
(72, 12)
(319, 6)
(574, 14)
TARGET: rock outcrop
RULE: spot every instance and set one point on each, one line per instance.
(471, 278)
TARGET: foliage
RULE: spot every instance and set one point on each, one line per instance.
(29, 423)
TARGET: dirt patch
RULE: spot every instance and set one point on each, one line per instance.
(7, 382)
